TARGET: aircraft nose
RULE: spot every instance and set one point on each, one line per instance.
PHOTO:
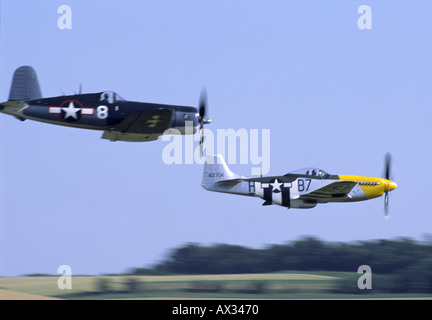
(391, 185)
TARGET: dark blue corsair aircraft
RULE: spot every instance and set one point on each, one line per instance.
(119, 119)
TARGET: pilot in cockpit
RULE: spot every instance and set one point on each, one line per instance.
(107, 97)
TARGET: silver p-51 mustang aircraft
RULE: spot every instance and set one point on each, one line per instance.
(304, 188)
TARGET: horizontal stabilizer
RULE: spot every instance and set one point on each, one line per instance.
(229, 183)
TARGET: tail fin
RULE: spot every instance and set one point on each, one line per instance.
(25, 85)
(215, 170)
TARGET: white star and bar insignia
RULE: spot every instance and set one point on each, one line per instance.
(71, 110)
(276, 185)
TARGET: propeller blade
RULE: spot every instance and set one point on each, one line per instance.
(386, 202)
(202, 108)
(387, 175)
(201, 141)
(387, 165)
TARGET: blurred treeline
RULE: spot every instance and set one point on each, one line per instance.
(400, 265)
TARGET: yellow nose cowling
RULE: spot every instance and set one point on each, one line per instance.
(372, 187)
(391, 185)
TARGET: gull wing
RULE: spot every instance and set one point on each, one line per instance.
(143, 125)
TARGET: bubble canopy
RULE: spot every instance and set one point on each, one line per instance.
(316, 172)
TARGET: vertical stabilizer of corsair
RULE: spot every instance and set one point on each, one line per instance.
(25, 85)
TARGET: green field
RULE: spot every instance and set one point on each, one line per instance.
(228, 286)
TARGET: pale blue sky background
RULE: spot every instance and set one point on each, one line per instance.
(334, 97)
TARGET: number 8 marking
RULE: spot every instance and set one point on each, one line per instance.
(102, 112)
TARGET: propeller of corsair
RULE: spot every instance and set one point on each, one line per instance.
(202, 109)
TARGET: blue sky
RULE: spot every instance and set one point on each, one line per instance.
(333, 96)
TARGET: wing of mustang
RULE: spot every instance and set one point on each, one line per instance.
(336, 189)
